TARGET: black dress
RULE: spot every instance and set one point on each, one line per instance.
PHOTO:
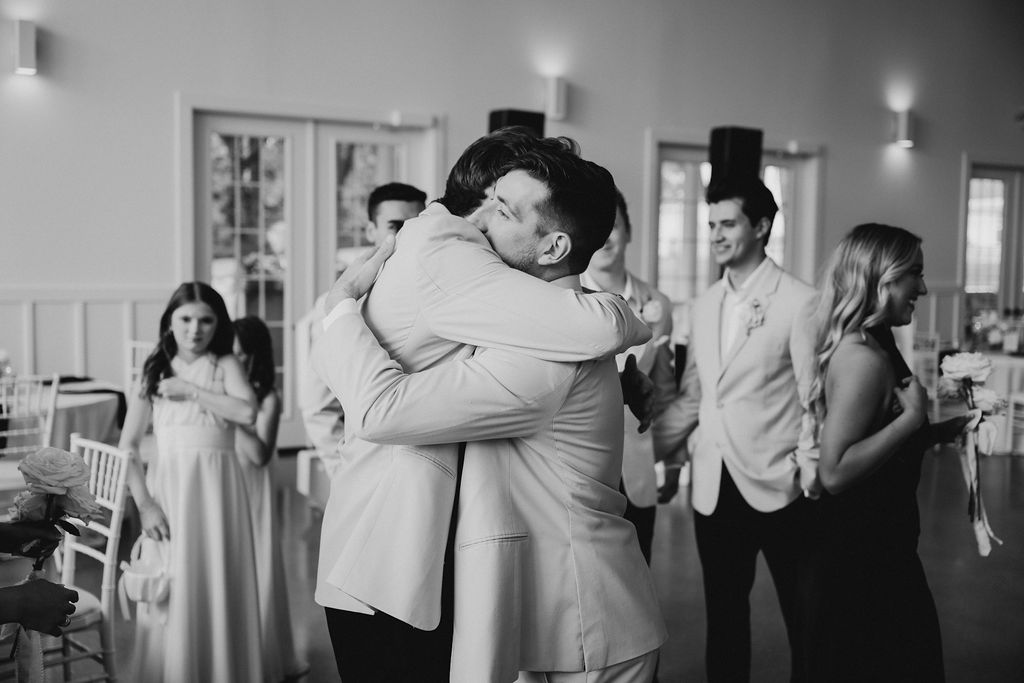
(871, 613)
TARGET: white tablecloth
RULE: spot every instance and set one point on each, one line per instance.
(1007, 378)
(94, 416)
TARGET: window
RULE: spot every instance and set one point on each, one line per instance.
(684, 264)
(993, 261)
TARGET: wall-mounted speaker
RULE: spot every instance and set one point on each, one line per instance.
(501, 118)
(735, 152)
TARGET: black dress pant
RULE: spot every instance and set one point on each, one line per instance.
(728, 542)
(377, 648)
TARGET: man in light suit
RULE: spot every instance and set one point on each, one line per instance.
(542, 545)
(607, 273)
(746, 383)
(386, 525)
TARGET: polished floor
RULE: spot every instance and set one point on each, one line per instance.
(980, 600)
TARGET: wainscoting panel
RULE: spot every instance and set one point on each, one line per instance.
(78, 330)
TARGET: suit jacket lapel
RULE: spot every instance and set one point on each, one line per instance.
(763, 295)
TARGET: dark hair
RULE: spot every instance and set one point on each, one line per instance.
(399, 192)
(254, 338)
(158, 364)
(481, 164)
(620, 205)
(581, 196)
(756, 200)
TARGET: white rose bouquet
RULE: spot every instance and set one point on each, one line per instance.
(963, 375)
(58, 487)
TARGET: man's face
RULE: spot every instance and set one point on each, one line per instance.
(614, 249)
(734, 242)
(391, 214)
(513, 227)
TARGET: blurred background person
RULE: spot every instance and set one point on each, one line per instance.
(607, 272)
(256, 446)
(193, 495)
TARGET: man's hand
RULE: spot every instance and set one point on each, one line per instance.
(637, 393)
(39, 605)
(670, 488)
(359, 276)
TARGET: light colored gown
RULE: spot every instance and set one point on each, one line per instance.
(209, 629)
(279, 657)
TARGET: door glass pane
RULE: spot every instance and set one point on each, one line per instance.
(775, 179)
(250, 236)
(985, 209)
(360, 167)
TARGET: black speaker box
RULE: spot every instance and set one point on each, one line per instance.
(735, 152)
(500, 118)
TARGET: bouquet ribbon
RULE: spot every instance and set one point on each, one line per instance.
(978, 436)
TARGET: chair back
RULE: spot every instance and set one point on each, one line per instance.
(136, 353)
(100, 540)
(27, 404)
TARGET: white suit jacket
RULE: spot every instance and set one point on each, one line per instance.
(546, 567)
(386, 521)
(653, 358)
(752, 405)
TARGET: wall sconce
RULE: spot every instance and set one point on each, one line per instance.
(24, 48)
(556, 96)
(903, 128)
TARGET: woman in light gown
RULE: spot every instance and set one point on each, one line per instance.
(256, 446)
(194, 496)
(871, 614)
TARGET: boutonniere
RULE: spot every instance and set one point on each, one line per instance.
(753, 315)
(650, 312)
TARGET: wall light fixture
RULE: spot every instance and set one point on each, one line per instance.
(24, 48)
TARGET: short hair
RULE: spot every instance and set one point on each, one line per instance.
(481, 164)
(399, 192)
(620, 206)
(254, 337)
(581, 196)
(756, 200)
(158, 364)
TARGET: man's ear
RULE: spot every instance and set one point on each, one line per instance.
(370, 232)
(763, 229)
(554, 248)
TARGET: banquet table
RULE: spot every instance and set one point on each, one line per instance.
(89, 409)
(1007, 378)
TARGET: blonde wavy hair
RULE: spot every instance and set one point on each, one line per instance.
(855, 291)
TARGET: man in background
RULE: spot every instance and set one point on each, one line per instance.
(607, 272)
(388, 207)
(747, 381)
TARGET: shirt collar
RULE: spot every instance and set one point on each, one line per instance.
(628, 292)
(752, 283)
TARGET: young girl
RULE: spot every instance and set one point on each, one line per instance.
(256, 447)
(193, 496)
(872, 616)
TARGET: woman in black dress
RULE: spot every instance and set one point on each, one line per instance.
(871, 613)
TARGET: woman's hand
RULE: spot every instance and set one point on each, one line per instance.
(154, 521)
(176, 389)
(913, 401)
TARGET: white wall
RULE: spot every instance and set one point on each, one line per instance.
(87, 178)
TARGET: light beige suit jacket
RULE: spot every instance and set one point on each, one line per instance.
(387, 518)
(548, 574)
(752, 405)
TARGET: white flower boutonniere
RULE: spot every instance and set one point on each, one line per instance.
(651, 311)
(753, 315)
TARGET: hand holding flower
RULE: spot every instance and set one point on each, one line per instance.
(913, 401)
(29, 539)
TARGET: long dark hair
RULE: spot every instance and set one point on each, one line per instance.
(254, 338)
(158, 364)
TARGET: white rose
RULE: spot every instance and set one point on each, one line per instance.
(651, 311)
(79, 503)
(948, 387)
(960, 366)
(52, 470)
(989, 401)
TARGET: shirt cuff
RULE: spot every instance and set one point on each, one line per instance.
(343, 307)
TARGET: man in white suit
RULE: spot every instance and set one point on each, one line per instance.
(386, 525)
(548, 522)
(746, 383)
(607, 273)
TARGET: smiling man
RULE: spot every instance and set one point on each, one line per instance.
(747, 379)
